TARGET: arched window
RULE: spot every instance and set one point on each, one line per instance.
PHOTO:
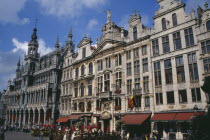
(83, 70)
(75, 106)
(82, 89)
(174, 19)
(164, 24)
(208, 25)
(90, 68)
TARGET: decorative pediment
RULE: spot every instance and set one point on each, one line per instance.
(84, 42)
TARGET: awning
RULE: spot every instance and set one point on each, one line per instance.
(63, 119)
(163, 117)
(180, 116)
(105, 118)
(135, 119)
(96, 115)
(186, 116)
(86, 115)
(74, 117)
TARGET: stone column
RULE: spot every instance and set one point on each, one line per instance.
(44, 117)
(33, 117)
(24, 118)
(12, 118)
(19, 118)
(38, 117)
(29, 117)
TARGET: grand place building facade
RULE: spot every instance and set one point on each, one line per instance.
(162, 67)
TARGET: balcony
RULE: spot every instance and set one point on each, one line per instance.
(137, 91)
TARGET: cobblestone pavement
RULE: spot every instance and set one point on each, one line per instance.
(20, 136)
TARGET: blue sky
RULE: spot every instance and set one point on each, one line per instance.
(56, 17)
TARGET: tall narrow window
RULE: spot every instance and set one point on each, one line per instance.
(91, 68)
(128, 54)
(136, 52)
(137, 84)
(157, 73)
(147, 101)
(82, 90)
(76, 90)
(145, 64)
(76, 72)
(129, 86)
(129, 72)
(144, 50)
(100, 83)
(135, 33)
(170, 97)
(90, 87)
(146, 83)
(100, 65)
(196, 94)
(189, 37)
(177, 41)
(206, 63)
(205, 46)
(208, 25)
(159, 98)
(193, 68)
(108, 62)
(136, 67)
(137, 99)
(164, 24)
(182, 96)
(180, 69)
(155, 47)
(107, 82)
(83, 52)
(166, 45)
(118, 60)
(168, 72)
(174, 18)
(118, 80)
(83, 70)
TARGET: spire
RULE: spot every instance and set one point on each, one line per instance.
(70, 34)
(34, 36)
(18, 64)
(206, 5)
(57, 43)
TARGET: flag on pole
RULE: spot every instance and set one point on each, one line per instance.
(131, 102)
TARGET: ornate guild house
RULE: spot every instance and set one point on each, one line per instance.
(33, 99)
(147, 78)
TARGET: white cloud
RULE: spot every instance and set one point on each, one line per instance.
(92, 23)
(70, 8)
(9, 10)
(23, 46)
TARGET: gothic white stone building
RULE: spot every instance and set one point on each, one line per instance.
(162, 67)
(33, 96)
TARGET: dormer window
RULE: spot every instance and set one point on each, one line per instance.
(208, 25)
(135, 33)
(83, 52)
(163, 24)
(174, 19)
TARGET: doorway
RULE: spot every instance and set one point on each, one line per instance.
(106, 126)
